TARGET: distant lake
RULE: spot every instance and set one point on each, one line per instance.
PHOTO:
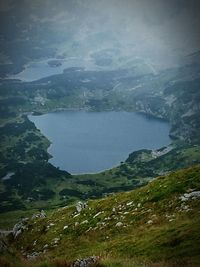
(88, 142)
(41, 69)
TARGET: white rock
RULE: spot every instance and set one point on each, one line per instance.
(86, 221)
(150, 222)
(192, 195)
(80, 206)
(182, 198)
(129, 203)
(55, 240)
(89, 229)
(119, 224)
(18, 233)
(65, 227)
(98, 214)
(76, 215)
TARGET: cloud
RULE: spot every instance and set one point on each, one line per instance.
(161, 32)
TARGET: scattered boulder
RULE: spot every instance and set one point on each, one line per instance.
(86, 221)
(119, 224)
(192, 195)
(19, 228)
(99, 213)
(80, 206)
(33, 255)
(184, 208)
(88, 262)
(17, 233)
(41, 214)
(76, 215)
(55, 241)
(129, 203)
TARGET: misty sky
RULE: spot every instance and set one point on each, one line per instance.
(157, 31)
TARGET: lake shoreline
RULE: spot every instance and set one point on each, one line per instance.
(86, 113)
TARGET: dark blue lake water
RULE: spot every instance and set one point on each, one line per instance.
(87, 142)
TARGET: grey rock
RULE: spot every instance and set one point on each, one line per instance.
(33, 255)
(119, 224)
(41, 214)
(90, 261)
(99, 213)
(19, 228)
(80, 206)
(192, 195)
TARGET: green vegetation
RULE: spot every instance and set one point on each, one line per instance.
(153, 224)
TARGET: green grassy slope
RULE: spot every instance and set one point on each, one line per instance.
(159, 222)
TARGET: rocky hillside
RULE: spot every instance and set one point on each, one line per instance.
(158, 223)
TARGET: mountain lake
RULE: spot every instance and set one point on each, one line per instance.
(90, 142)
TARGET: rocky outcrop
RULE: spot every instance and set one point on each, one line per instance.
(19, 227)
(41, 214)
(88, 262)
(80, 206)
(189, 196)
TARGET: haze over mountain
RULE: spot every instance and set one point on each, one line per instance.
(111, 34)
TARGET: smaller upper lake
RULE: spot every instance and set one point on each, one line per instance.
(41, 69)
(88, 142)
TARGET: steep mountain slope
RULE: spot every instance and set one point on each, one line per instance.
(156, 223)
